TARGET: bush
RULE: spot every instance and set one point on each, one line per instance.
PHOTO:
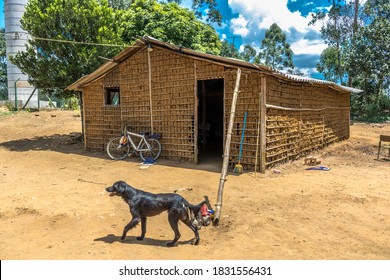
(3, 94)
(71, 103)
(370, 109)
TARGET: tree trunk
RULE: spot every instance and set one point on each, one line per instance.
(354, 31)
(337, 39)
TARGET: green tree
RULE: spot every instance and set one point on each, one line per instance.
(198, 6)
(120, 4)
(213, 14)
(358, 35)
(331, 32)
(339, 28)
(275, 51)
(248, 54)
(208, 6)
(3, 66)
(328, 64)
(169, 23)
(53, 64)
(369, 58)
(229, 50)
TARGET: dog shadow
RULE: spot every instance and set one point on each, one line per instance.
(111, 238)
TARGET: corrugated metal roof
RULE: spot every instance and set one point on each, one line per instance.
(143, 42)
(317, 81)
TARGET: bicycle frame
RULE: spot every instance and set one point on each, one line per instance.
(142, 140)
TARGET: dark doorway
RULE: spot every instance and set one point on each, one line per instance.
(210, 120)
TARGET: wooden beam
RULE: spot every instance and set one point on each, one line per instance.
(83, 125)
(258, 132)
(263, 123)
(227, 149)
(150, 91)
(196, 107)
(269, 106)
(204, 113)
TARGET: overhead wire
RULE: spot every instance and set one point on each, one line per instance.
(16, 35)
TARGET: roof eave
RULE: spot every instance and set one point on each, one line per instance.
(106, 67)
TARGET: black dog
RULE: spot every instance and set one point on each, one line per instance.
(144, 204)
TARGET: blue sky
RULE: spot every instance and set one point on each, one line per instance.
(249, 19)
(2, 13)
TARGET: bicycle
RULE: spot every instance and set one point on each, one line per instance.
(148, 145)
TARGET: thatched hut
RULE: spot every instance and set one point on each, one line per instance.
(186, 96)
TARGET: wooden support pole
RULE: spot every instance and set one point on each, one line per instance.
(150, 91)
(258, 134)
(227, 149)
(263, 124)
(81, 103)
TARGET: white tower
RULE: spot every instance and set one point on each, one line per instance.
(19, 90)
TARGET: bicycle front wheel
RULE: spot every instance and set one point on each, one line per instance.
(154, 152)
(117, 151)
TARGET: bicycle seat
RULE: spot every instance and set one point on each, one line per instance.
(151, 135)
(154, 136)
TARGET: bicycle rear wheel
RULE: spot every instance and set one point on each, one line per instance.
(155, 149)
(117, 151)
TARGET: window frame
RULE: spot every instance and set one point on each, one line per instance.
(110, 94)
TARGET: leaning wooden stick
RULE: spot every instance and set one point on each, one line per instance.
(227, 150)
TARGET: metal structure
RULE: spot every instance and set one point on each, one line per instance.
(20, 91)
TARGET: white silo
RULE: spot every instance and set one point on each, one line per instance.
(19, 90)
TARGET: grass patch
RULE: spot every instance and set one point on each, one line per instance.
(5, 114)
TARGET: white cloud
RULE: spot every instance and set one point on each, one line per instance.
(304, 46)
(187, 4)
(265, 11)
(239, 26)
(255, 16)
(308, 71)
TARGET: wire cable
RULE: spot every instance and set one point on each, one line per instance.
(15, 34)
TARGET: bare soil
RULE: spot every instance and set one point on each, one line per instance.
(53, 203)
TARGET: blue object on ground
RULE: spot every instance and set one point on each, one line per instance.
(149, 160)
(323, 168)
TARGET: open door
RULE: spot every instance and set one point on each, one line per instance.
(210, 120)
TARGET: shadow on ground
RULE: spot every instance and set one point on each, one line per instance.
(71, 144)
(111, 238)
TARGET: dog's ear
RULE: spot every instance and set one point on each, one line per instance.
(121, 188)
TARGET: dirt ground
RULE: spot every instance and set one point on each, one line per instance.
(53, 205)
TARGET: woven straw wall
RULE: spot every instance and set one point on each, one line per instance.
(322, 120)
(248, 101)
(100, 120)
(174, 93)
(93, 115)
(173, 102)
(290, 134)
